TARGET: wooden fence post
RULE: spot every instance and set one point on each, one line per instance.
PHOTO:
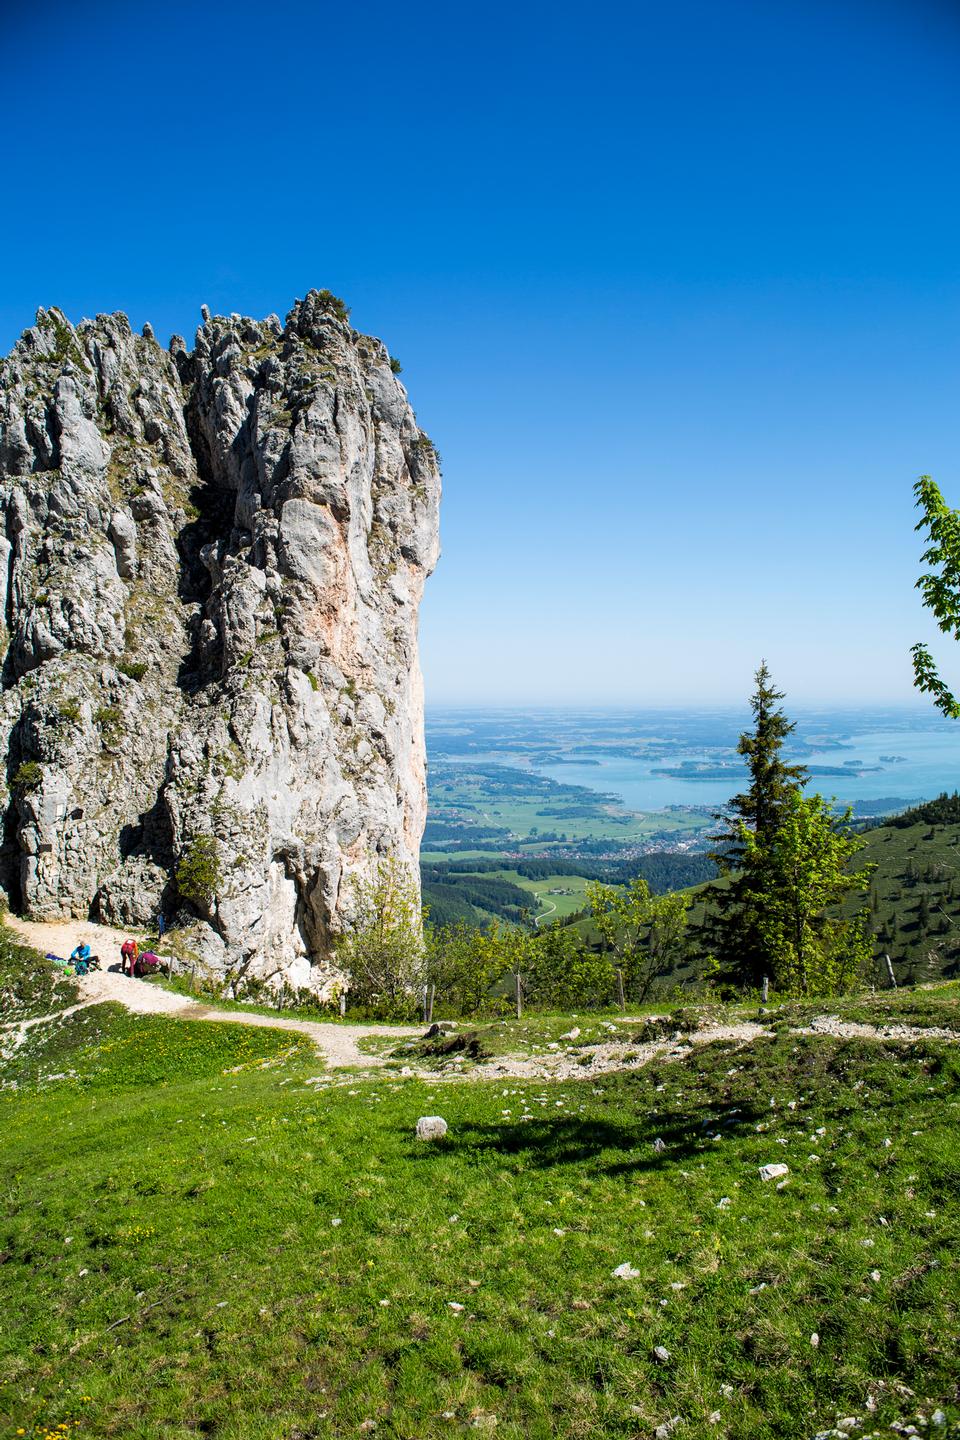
(893, 978)
(623, 1003)
(433, 991)
(519, 989)
(766, 989)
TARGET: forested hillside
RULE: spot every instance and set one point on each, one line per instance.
(914, 894)
(478, 890)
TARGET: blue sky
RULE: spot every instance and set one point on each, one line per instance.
(675, 288)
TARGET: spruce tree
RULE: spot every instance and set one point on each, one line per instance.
(772, 780)
(734, 929)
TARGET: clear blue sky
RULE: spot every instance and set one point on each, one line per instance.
(675, 287)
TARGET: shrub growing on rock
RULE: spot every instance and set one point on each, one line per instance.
(198, 874)
(28, 777)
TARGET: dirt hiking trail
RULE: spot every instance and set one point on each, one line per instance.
(339, 1043)
(336, 1043)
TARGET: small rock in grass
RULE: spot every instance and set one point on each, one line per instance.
(714, 1417)
(815, 1340)
(659, 1146)
(773, 1172)
(368, 1424)
(625, 1272)
(848, 1423)
(455, 1305)
(431, 1127)
(664, 1431)
(573, 1034)
(939, 1419)
(661, 1353)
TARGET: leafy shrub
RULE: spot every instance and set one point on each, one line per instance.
(29, 776)
(395, 365)
(465, 965)
(133, 669)
(198, 874)
(563, 974)
(383, 950)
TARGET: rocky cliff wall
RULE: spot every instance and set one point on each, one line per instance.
(211, 563)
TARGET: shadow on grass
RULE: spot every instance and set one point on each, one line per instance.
(613, 1146)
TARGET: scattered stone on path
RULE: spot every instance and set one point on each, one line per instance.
(773, 1172)
(431, 1127)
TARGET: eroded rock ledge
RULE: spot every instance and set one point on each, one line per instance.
(212, 563)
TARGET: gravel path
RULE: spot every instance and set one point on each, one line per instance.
(336, 1043)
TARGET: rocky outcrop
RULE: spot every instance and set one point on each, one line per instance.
(212, 562)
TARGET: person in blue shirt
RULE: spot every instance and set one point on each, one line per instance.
(80, 958)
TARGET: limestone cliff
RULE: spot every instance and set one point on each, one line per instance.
(212, 562)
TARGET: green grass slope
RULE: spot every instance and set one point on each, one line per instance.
(196, 1241)
(915, 897)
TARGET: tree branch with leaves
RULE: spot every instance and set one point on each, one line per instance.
(940, 588)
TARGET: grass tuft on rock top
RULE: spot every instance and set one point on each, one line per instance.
(196, 1240)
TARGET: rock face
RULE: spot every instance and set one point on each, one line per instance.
(211, 568)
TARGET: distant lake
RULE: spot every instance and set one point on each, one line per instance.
(928, 762)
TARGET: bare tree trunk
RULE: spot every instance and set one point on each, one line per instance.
(893, 978)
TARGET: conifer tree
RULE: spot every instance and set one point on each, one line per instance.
(734, 930)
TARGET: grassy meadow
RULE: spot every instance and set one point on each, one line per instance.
(204, 1233)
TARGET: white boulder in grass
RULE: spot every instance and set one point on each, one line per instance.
(773, 1172)
(431, 1127)
(625, 1272)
